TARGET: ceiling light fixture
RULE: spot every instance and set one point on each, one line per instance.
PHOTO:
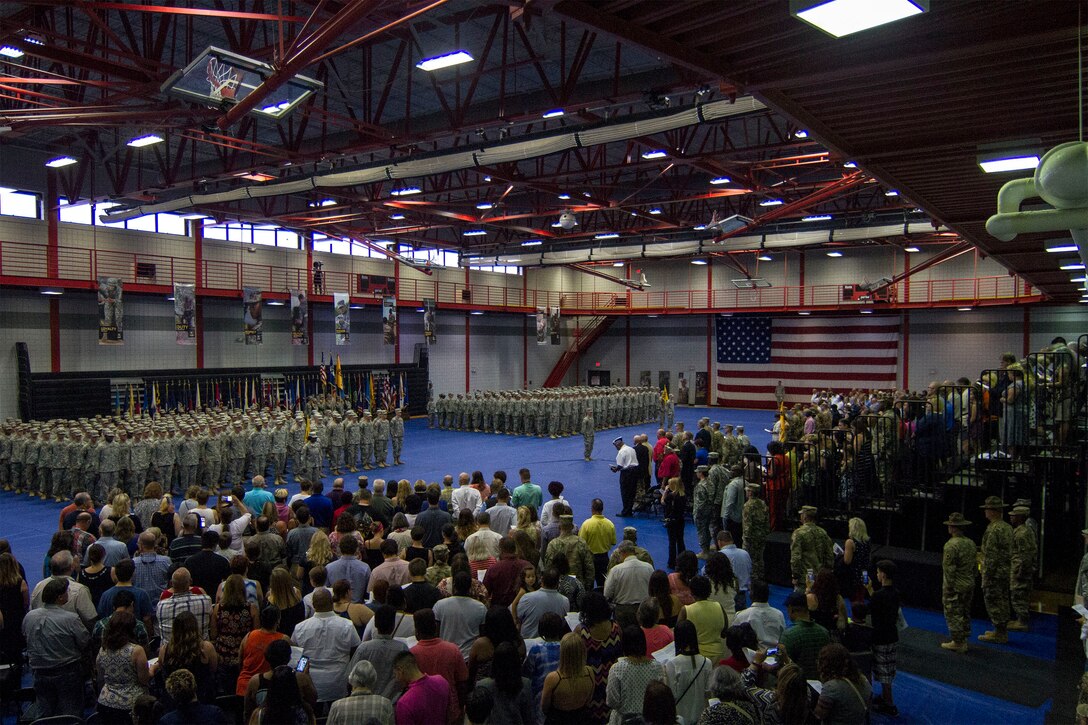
(655, 154)
(804, 313)
(485, 205)
(52, 291)
(406, 191)
(1070, 264)
(912, 250)
(445, 61)
(476, 312)
(607, 235)
(699, 228)
(554, 113)
(655, 211)
(275, 109)
(849, 165)
(771, 202)
(619, 264)
(844, 17)
(256, 176)
(1062, 246)
(474, 233)
(891, 192)
(276, 303)
(11, 52)
(1007, 161)
(60, 162)
(397, 217)
(323, 202)
(765, 256)
(699, 261)
(719, 180)
(1078, 279)
(866, 312)
(564, 197)
(965, 309)
(800, 133)
(817, 218)
(532, 243)
(834, 254)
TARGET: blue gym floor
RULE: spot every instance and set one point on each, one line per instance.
(429, 454)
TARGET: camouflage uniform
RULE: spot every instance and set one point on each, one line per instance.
(5, 459)
(188, 460)
(588, 429)
(18, 460)
(30, 463)
(277, 451)
(257, 452)
(366, 439)
(109, 466)
(996, 563)
(1024, 552)
(381, 439)
(578, 556)
(757, 527)
(310, 465)
(810, 548)
(212, 454)
(704, 510)
(139, 461)
(352, 439)
(237, 446)
(396, 434)
(958, 563)
(335, 447)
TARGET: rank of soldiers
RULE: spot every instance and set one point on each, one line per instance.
(213, 448)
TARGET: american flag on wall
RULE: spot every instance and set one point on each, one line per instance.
(837, 353)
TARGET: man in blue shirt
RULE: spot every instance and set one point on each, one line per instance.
(320, 507)
(350, 567)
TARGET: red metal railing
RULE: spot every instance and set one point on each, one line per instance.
(27, 263)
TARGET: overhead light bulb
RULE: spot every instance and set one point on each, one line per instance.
(532, 243)
(1070, 264)
(655, 154)
(771, 202)
(406, 191)
(912, 250)
(719, 180)
(866, 312)
(700, 227)
(11, 52)
(698, 261)
(1010, 163)
(817, 218)
(564, 197)
(800, 133)
(655, 211)
(485, 205)
(804, 313)
(891, 192)
(397, 217)
(60, 162)
(323, 202)
(474, 233)
(445, 61)
(477, 312)
(964, 309)
(607, 235)
(554, 113)
(619, 264)
(849, 165)
(1064, 247)
(765, 257)
(844, 17)
(834, 254)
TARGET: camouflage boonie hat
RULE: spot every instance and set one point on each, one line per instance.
(993, 502)
(956, 519)
(810, 510)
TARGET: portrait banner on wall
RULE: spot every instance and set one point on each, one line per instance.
(111, 312)
(701, 381)
(553, 324)
(389, 320)
(185, 313)
(341, 310)
(252, 322)
(541, 325)
(430, 323)
(663, 380)
(300, 317)
(645, 379)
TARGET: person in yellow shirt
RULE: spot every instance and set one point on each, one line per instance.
(600, 535)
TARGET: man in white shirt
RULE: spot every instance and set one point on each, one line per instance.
(767, 622)
(489, 539)
(627, 467)
(79, 596)
(460, 616)
(742, 566)
(627, 584)
(328, 640)
(465, 497)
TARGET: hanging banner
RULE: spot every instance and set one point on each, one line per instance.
(389, 320)
(430, 324)
(341, 310)
(300, 317)
(553, 324)
(252, 323)
(111, 312)
(184, 313)
(541, 325)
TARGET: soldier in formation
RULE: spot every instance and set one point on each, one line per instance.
(810, 548)
(756, 527)
(1025, 550)
(995, 566)
(958, 564)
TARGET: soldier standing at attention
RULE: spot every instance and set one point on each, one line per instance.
(432, 410)
(237, 445)
(46, 463)
(396, 434)
(1024, 552)
(258, 450)
(958, 564)
(810, 548)
(704, 509)
(109, 465)
(337, 440)
(30, 462)
(90, 468)
(670, 413)
(756, 524)
(77, 463)
(996, 565)
(381, 439)
(188, 459)
(6, 435)
(352, 438)
(139, 461)
(588, 429)
(277, 450)
(366, 439)
(310, 465)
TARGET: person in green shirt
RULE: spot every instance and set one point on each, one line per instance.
(528, 493)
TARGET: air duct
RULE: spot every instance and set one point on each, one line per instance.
(459, 159)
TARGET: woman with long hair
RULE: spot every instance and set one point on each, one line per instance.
(120, 507)
(658, 705)
(96, 576)
(688, 673)
(513, 693)
(708, 617)
(723, 582)
(856, 552)
(601, 636)
(628, 678)
(284, 595)
(498, 627)
(479, 554)
(527, 548)
(346, 525)
(319, 553)
(568, 690)
(166, 519)
(675, 501)
(149, 502)
(126, 534)
(284, 704)
(344, 606)
(789, 701)
(233, 617)
(60, 541)
(687, 567)
(845, 695)
(400, 501)
(120, 669)
(528, 581)
(826, 605)
(477, 591)
(526, 523)
(466, 525)
(14, 604)
(661, 590)
(187, 650)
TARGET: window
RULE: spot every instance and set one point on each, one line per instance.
(145, 223)
(82, 213)
(20, 203)
(501, 269)
(171, 224)
(264, 235)
(287, 238)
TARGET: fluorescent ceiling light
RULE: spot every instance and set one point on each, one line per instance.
(609, 235)
(256, 176)
(474, 233)
(275, 303)
(800, 133)
(397, 217)
(477, 312)
(1078, 279)
(323, 202)
(619, 264)
(406, 191)
(9, 52)
(554, 113)
(170, 298)
(804, 313)
(849, 165)
(719, 180)
(34, 39)
(445, 61)
(53, 291)
(485, 205)
(420, 309)
(834, 254)
(866, 312)
(912, 250)
(656, 154)
(964, 309)
(532, 243)
(765, 257)
(275, 109)
(843, 17)
(817, 218)
(1071, 264)
(655, 211)
(487, 178)
(699, 228)
(771, 202)
(698, 261)
(891, 192)
(564, 197)
(356, 307)
(1063, 247)
(61, 161)
(1009, 163)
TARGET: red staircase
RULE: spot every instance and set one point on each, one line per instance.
(583, 340)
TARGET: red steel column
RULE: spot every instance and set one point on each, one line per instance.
(198, 258)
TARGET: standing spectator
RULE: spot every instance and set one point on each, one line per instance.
(855, 559)
(144, 607)
(393, 569)
(181, 688)
(804, 639)
(329, 641)
(687, 567)
(688, 673)
(284, 595)
(78, 600)
(502, 578)
(183, 600)
(381, 650)
(569, 690)
(363, 704)
(845, 694)
(734, 705)
(95, 575)
(628, 583)
(627, 466)
(152, 570)
(535, 604)
(188, 649)
(82, 538)
(252, 649)
(601, 637)
(543, 657)
(528, 493)
(278, 654)
(709, 619)
(233, 617)
(767, 622)
(660, 590)
(629, 676)
(188, 543)
(433, 519)
(273, 550)
(438, 657)
(600, 535)
(513, 693)
(55, 642)
(14, 604)
(419, 593)
(498, 627)
(321, 507)
(344, 606)
(207, 568)
(555, 490)
(298, 541)
(122, 670)
(825, 605)
(460, 616)
(741, 563)
(115, 550)
(284, 702)
(884, 610)
(723, 583)
(166, 520)
(675, 502)
(349, 567)
(426, 698)
(658, 636)
(503, 515)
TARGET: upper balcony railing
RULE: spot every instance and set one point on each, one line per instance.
(24, 263)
